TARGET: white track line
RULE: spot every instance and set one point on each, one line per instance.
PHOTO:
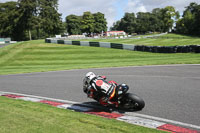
(141, 121)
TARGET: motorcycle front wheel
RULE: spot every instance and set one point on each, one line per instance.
(132, 102)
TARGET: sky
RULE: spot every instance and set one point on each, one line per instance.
(114, 9)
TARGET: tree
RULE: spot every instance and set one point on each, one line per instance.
(155, 23)
(158, 21)
(51, 22)
(27, 11)
(143, 22)
(168, 16)
(87, 23)
(180, 27)
(100, 23)
(9, 19)
(190, 21)
(127, 23)
(73, 24)
(192, 18)
(27, 19)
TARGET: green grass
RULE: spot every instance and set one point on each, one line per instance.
(172, 35)
(164, 40)
(18, 116)
(37, 56)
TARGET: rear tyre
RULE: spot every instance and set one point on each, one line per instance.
(132, 102)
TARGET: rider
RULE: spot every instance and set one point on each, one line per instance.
(98, 88)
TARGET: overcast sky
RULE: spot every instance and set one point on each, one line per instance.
(114, 9)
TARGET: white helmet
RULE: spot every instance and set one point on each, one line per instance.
(89, 76)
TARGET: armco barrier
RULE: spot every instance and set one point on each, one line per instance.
(104, 44)
(76, 43)
(153, 49)
(116, 45)
(85, 43)
(61, 42)
(94, 44)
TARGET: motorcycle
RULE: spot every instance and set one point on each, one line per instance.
(122, 99)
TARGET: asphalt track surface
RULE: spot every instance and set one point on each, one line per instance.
(170, 92)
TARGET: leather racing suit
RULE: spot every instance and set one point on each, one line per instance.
(100, 90)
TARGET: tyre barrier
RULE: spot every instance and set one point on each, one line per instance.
(142, 48)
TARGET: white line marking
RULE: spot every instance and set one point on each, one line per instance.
(141, 121)
(64, 106)
(30, 99)
(1, 93)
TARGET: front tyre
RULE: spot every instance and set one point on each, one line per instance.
(132, 102)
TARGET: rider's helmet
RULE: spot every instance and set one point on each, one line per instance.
(122, 88)
(89, 76)
(86, 81)
(125, 87)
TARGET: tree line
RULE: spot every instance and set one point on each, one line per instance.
(159, 20)
(35, 19)
(30, 19)
(162, 20)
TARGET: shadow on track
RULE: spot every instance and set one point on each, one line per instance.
(99, 108)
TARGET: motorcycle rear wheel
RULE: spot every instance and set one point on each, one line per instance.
(132, 102)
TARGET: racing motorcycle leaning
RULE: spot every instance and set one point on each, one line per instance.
(109, 93)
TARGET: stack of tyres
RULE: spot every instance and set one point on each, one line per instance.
(172, 49)
(147, 49)
(154, 49)
(138, 48)
(185, 49)
(197, 49)
(160, 49)
(178, 49)
(150, 48)
(143, 48)
(193, 48)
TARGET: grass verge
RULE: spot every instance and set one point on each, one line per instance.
(37, 56)
(17, 116)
